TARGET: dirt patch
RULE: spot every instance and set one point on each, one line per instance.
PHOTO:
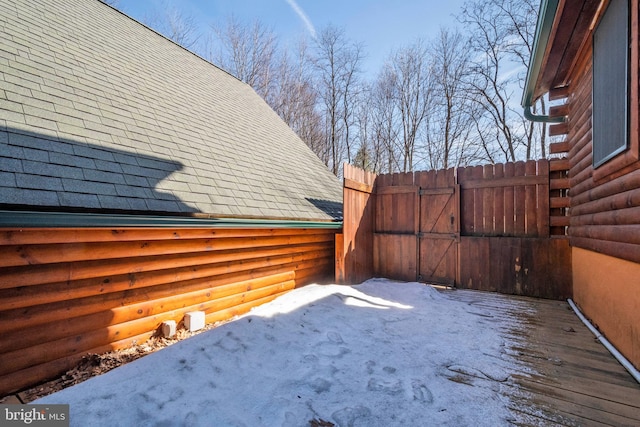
(93, 365)
(319, 422)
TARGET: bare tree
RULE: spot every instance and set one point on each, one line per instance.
(516, 16)
(296, 100)
(337, 62)
(351, 98)
(175, 24)
(501, 39)
(371, 151)
(385, 119)
(364, 157)
(248, 51)
(450, 120)
(487, 85)
(413, 90)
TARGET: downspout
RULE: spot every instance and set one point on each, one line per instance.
(546, 16)
(619, 357)
(541, 119)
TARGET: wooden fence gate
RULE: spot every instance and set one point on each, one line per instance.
(485, 227)
(439, 232)
(417, 226)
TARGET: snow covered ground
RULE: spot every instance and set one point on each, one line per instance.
(381, 353)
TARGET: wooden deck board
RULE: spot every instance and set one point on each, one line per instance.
(564, 375)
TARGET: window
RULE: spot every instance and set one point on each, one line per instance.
(610, 118)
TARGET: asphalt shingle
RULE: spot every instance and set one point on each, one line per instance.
(123, 119)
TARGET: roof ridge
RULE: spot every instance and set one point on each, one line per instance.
(172, 41)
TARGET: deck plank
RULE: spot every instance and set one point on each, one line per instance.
(564, 375)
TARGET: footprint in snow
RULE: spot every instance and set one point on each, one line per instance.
(310, 358)
(346, 417)
(370, 365)
(320, 385)
(333, 352)
(335, 337)
(175, 394)
(421, 392)
(388, 387)
(231, 343)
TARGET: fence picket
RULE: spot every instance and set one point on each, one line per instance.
(520, 210)
(477, 172)
(488, 223)
(531, 208)
(498, 201)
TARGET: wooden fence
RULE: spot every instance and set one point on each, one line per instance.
(353, 246)
(493, 227)
(505, 200)
(68, 292)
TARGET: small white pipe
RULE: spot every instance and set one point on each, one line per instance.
(619, 357)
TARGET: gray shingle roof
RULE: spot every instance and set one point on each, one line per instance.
(97, 111)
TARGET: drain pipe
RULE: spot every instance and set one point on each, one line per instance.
(619, 357)
(541, 119)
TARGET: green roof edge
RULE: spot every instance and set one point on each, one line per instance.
(29, 219)
(546, 16)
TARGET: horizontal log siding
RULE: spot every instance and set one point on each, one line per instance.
(68, 292)
(605, 213)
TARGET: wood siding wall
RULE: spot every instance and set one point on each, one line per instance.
(605, 203)
(68, 292)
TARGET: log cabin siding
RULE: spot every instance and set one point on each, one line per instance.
(605, 210)
(65, 293)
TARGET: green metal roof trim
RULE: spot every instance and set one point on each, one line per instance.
(25, 219)
(546, 16)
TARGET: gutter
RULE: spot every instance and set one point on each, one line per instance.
(546, 16)
(30, 219)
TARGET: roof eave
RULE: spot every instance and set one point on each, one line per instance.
(544, 26)
(36, 219)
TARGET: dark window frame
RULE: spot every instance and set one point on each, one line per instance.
(610, 83)
(626, 160)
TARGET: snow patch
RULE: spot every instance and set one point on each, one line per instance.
(376, 354)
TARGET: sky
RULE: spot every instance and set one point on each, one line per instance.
(381, 353)
(382, 25)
